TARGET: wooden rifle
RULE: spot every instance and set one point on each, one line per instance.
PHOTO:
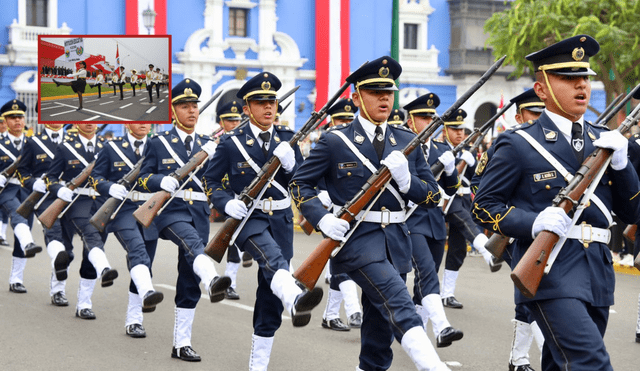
(153, 206)
(10, 171)
(107, 212)
(498, 243)
(530, 269)
(49, 216)
(218, 245)
(28, 205)
(312, 267)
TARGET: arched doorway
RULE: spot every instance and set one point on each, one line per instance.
(484, 113)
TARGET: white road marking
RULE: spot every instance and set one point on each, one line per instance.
(150, 109)
(97, 113)
(92, 118)
(102, 104)
(61, 113)
(126, 105)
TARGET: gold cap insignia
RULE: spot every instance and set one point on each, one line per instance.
(250, 141)
(347, 108)
(459, 118)
(578, 54)
(14, 107)
(396, 117)
(359, 139)
(174, 140)
(383, 71)
(430, 102)
(188, 91)
(234, 109)
(266, 85)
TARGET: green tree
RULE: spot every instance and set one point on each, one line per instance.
(530, 25)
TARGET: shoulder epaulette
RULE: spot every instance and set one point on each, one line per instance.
(636, 136)
(439, 141)
(401, 127)
(282, 128)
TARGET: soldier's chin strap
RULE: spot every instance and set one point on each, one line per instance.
(253, 119)
(546, 79)
(50, 128)
(364, 109)
(175, 118)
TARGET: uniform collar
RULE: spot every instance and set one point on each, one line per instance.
(11, 137)
(370, 128)
(184, 135)
(84, 142)
(49, 132)
(564, 124)
(132, 140)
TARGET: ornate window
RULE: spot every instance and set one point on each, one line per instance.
(238, 22)
(37, 13)
(410, 36)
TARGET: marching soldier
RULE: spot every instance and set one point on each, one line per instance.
(268, 232)
(98, 83)
(117, 158)
(428, 230)
(134, 80)
(77, 85)
(527, 170)
(376, 255)
(341, 287)
(185, 221)
(37, 156)
(157, 79)
(71, 157)
(396, 118)
(5, 217)
(461, 226)
(13, 193)
(150, 81)
(121, 81)
(229, 118)
(525, 329)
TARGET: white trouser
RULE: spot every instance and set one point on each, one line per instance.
(134, 310)
(85, 290)
(17, 269)
(260, 353)
(231, 271)
(417, 345)
(522, 339)
(56, 286)
(98, 259)
(182, 327)
(434, 311)
(23, 234)
(332, 310)
(3, 230)
(349, 291)
(283, 285)
(141, 277)
(203, 267)
(449, 283)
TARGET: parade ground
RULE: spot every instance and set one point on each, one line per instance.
(35, 335)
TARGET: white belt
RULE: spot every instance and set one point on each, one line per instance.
(136, 196)
(383, 217)
(86, 192)
(191, 196)
(464, 190)
(269, 204)
(585, 233)
(13, 181)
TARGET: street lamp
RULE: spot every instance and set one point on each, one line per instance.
(11, 54)
(149, 18)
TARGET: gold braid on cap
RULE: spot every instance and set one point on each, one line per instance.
(530, 104)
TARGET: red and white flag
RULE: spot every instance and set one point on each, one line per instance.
(118, 60)
(332, 48)
(501, 124)
(134, 22)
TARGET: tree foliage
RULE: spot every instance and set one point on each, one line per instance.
(530, 25)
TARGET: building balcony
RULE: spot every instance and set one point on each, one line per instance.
(22, 49)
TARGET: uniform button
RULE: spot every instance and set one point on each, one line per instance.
(190, 202)
(168, 167)
(610, 183)
(242, 172)
(547, 187)
(349, 173)
(383, 208)
(270, 212)
(269, 185)
(119, 169)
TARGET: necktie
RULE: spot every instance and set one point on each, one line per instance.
(265, 135)
(378, 142)
(137, 144)
(90, 146)
(187, 144)
(16, 143)
(55, 136)
(577, 142)
(425, 152)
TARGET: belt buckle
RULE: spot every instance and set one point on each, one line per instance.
(384, 212)
(92, 193)
(266, 202)
(135, 196)
(187, 195)
(586, 227)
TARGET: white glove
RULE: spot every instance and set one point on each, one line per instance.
(236, 209)
(618, 143)
(65, 194)
(40, 186)
(323, 196)
(333, 227)
(552, 219)
(210, 148)
(449, 161)
(169, 184)
(399, 168)
(118, 191)
(468, 157)
(69, 75)
(3, 180)
(286, 155)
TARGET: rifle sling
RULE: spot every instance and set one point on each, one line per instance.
(255, 166)
(5, 150)
(75, 153)
(121, 154)
(180, 162)
(43, 147)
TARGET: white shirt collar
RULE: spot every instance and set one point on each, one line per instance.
(370, 128)
(564, 124)
(256, 133)
(12, 138)
(132, 140)
(184, 135)
(84, 142)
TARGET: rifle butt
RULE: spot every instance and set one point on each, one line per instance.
(149, 209)
(307, 228)
(103, 216)
(497, 245)
(26, 207)
(311, 268)
(530, 269)
(49, 216)
(630, 232)
(217, 247)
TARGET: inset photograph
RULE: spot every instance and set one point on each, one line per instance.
(104, 78)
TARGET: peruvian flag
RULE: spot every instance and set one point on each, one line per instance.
(134, 23)
(118, 60)
(501, 124)
(332, 48)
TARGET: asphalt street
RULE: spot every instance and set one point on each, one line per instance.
(34, 335)
(109, 107)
